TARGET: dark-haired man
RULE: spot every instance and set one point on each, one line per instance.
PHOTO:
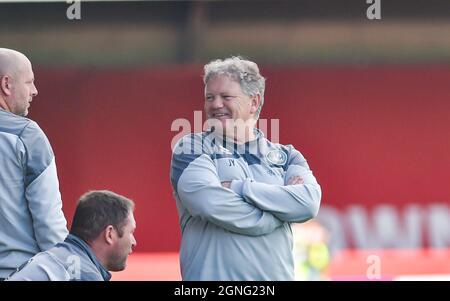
(100, 240)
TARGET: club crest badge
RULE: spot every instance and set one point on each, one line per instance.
(277, 157)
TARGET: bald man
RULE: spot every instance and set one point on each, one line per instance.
(31, 217)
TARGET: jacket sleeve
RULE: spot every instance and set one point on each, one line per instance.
(196, 183)
(292, 203)
(42, 188)
(41, 267)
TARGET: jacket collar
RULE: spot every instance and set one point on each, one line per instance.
(78, 242)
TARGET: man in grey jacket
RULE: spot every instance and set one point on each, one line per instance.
(237, 193)
(31, 217)
(100, 240)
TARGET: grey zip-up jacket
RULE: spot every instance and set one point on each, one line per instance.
(71, 260)
(31, 217)
(241, 233)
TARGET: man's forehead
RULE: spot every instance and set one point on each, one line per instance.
(12, 61)
(131, 219)
(223, 85)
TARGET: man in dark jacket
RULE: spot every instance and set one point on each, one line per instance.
(100, 240)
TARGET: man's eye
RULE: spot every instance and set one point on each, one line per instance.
(209, 98)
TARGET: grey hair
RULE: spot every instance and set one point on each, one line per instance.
(245, 72)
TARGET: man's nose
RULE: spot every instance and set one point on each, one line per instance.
(217, 103)
(35, 91)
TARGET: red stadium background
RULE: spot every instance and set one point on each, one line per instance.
(372, 135)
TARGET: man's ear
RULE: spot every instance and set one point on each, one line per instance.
(256, 101)
(5, 85)
(109, 233)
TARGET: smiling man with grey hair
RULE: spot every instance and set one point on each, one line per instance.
(238, 193)
(31, 217)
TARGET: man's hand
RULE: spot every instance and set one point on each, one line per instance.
(226, 184)
(294, 180)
